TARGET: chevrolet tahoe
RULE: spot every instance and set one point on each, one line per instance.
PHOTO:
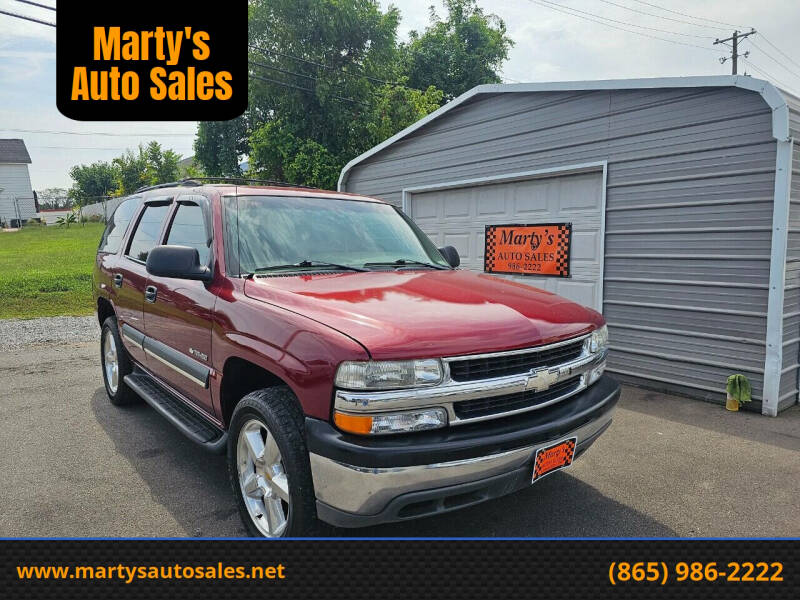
(351, 372)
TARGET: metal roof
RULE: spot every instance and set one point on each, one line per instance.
(14, 151)
(775, 98)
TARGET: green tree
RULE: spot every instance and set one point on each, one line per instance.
(129, 171)
(161, 166)
(50, 198)
(149, 165)
(92, 182)
(316, 67)
(398, 107)
(456, 54)
(218, 146)
(280, 155)
(328, 80)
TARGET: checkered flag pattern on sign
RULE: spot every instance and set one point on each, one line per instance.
(570, 448)
(542, 455)
(491, 244)
(562, 254)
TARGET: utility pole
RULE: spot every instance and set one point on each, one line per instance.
(734, 39)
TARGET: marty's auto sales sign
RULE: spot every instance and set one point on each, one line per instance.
(528, 249)
(151, 60)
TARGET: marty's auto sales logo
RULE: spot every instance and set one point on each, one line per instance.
(528, 249)
(151, 61)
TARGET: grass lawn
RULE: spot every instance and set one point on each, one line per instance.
(47, 271)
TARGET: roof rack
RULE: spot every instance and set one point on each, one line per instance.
(195, 181)
(182, 182)
(238, 180)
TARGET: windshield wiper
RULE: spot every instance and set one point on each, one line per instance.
(405, 261)
(308, 263)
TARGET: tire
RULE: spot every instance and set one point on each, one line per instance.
(272, 483)
(118, 392)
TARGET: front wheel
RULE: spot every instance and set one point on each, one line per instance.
(116, 365)
(268, 465)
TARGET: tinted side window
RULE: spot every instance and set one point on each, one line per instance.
(115, 230)
(189, 229)
(145, 237)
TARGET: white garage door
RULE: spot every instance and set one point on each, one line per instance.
(457, 217)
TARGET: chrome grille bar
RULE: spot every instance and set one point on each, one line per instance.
(450, 392)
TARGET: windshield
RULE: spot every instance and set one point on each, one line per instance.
(274, 231)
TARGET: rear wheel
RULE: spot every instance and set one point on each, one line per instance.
(268, 465)
(116, 365)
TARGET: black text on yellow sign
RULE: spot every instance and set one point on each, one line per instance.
(163, 61)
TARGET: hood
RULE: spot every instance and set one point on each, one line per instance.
(421, 314)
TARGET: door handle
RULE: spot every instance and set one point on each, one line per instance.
(150, 293)
(118, 280)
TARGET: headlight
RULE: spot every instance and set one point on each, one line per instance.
(388, 374)
(416, 420)
(598, 341)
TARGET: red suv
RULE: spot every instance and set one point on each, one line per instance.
(350, 370)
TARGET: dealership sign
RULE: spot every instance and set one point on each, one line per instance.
(528, 249)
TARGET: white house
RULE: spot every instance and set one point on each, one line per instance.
(16, 196)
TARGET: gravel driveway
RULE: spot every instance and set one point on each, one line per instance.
(19, 333)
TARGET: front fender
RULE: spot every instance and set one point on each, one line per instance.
(300, 351)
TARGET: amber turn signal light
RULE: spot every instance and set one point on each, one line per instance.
(353, 423)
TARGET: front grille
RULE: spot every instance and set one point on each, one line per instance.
(472, 369)
(470, 409)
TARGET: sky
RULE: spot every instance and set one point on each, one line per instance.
(555, 40)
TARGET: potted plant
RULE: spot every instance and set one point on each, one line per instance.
(739, 391)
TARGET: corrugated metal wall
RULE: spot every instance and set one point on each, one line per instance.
(689, 211)
(791, 303)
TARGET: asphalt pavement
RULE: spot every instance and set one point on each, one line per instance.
(74, 465)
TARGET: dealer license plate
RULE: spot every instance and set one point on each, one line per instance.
(553, 458)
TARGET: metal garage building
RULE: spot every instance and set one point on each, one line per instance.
(685, 219)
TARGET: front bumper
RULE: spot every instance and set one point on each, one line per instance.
(362, 481)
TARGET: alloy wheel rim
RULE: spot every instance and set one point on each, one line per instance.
(111, 362)
(262, 479)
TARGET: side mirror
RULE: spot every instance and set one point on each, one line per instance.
(180, 262)
(450, 254)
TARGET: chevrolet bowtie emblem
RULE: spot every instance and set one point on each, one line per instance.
(540, 380)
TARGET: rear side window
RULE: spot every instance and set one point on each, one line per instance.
(189, 229)
(115, 230)
(145, 237)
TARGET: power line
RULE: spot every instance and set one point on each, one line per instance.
(540, 2)
(789, 58)
(116, 149)
(304, 89)
(105, 133)
(649, 14)
(675, 12)
(773, 59)
(328, 67)
(279, 70)
(287, 72)
(768, 75)
(627, 23)
(37, 4)
(508, 79)
(25, 18)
